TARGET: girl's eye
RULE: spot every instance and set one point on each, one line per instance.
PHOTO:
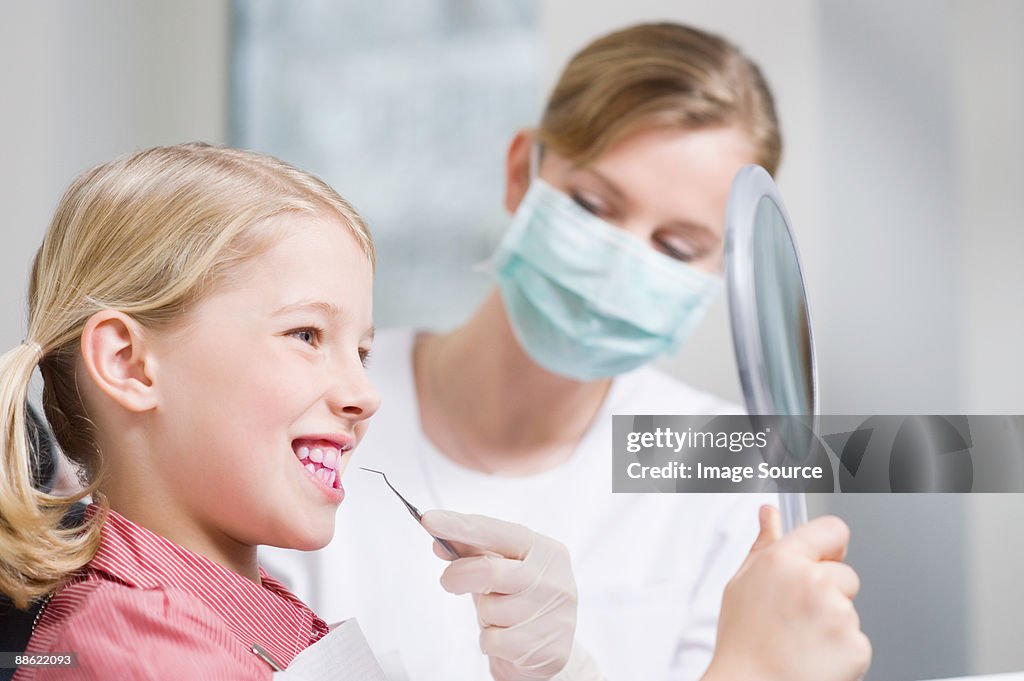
(309, 335)
(364, 356)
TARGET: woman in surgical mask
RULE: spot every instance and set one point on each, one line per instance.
(612, 257)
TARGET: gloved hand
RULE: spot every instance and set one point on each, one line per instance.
(788, 613)
(525, 595)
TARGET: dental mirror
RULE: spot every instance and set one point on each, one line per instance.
(771, 324)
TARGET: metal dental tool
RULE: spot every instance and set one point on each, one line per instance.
(415, 512)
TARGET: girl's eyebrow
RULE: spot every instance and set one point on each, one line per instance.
(319, 305)
(329, 309)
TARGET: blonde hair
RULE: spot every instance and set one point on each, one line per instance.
(147, 234)
(654, 75)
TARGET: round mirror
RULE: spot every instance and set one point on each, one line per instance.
(768, 309)
(781, 304)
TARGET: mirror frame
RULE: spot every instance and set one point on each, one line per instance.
(752, 183)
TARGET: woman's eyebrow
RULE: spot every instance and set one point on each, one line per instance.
(612, 188)
(701, 229)
(698, 229)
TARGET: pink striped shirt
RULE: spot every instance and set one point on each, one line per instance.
(147, 608)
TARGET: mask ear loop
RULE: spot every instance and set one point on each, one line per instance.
(535, 152)
(487, 266)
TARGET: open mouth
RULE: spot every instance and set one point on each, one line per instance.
(322, 459)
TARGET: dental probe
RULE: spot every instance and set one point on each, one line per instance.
(415, 512)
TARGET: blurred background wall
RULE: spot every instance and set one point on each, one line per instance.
(901, 172)
(83, 82)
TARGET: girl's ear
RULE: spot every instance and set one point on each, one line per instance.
(517, 169)
(115, 355)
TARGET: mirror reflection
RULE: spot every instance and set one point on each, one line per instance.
(782, 311)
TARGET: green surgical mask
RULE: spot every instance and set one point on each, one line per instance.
(587, 300)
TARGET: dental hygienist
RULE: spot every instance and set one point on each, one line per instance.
(612, 257)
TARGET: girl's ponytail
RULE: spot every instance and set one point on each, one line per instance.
(36, 553)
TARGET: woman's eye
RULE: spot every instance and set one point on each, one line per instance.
(364, 356)
(675, 250)
(309, 335)
(587, 204)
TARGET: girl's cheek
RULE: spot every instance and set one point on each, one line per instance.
(296, 388)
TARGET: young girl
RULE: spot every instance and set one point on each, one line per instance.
(200, 317)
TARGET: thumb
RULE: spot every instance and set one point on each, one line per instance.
(771, 528)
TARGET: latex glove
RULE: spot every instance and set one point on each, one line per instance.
(788, 613)
(525, 595)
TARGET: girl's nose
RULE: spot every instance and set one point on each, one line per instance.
(354, 395)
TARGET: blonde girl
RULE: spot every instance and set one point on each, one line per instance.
(184, 350)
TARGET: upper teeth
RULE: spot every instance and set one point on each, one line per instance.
(326, 455)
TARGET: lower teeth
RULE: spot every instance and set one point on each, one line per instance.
(322, 473)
